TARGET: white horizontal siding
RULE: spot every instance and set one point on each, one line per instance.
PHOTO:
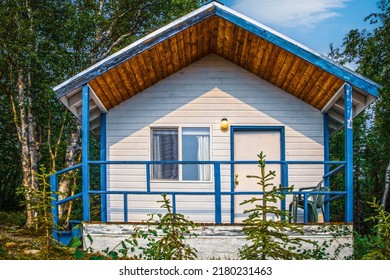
(201, 95)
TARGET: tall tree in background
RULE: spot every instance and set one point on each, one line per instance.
(43, 43)
(370, 50)
(26, 45)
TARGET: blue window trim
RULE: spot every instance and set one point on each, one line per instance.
(284, 170)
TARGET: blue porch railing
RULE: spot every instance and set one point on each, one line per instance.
(217, 192)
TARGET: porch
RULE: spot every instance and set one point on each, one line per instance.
(220, 193)
(220, 201)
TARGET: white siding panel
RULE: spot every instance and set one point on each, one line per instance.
(201, 95)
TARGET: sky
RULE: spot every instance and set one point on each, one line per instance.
(313, 23)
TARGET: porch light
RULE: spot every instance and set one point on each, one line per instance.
(224, 124)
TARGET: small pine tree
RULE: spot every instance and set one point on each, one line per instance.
(269, 239)
(39, 201)
(166, 236)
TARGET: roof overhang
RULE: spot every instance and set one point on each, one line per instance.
(214, 28)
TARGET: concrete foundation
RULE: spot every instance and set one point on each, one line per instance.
(221, 241)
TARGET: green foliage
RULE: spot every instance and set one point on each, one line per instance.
(269, 239)
(375, 246)
(39, 200)
(10, 167)
(166, 236)
(80, 254)
(331, 249)
(165, 240)
(12, 218)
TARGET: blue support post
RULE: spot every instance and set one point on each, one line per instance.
(174, 203)
(148, 177)
(306, 207)
(284, 165)
(284, 168)
(125, 208)
(85, 152)
(54, 206)
(348, 126)
(103, 167)
(326, 167)
(217, 187)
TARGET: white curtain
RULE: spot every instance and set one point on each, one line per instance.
(203, 155)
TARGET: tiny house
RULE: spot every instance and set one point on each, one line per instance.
(185, 111)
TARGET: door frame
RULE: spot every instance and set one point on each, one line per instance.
(283, 167)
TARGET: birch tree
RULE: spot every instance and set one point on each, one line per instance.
(27, 45)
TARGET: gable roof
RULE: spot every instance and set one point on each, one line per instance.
(214, 28)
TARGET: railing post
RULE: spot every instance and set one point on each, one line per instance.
(306, 209)
(173, 203)
(103, 167)
(148, 177)
(217, 191)
(54, 206)
(284, 167)
(348, 126)
(85, 151)
(125, 208)
(326, 167)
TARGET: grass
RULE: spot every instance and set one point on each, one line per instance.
(18, 242)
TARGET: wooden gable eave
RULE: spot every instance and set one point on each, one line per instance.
(216, 35)
(213, 28)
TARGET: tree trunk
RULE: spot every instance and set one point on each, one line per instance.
(387, 186)
(26, 128)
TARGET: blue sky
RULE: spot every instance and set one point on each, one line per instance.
(313, 23)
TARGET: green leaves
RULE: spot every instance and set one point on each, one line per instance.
(75, 242)
(166, 236)
(378, 245)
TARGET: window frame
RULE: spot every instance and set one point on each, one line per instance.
(180, 152)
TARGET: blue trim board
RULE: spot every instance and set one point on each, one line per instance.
(217, 190)
(85, 151)
(326, 166)
(103, 167)
(348, 126)
(326, 148)
(54, 206)
(284, 174)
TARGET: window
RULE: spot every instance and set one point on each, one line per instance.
(195, 146)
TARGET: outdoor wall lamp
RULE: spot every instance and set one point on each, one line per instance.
(224, 124)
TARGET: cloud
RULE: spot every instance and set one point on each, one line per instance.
(290, 13)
